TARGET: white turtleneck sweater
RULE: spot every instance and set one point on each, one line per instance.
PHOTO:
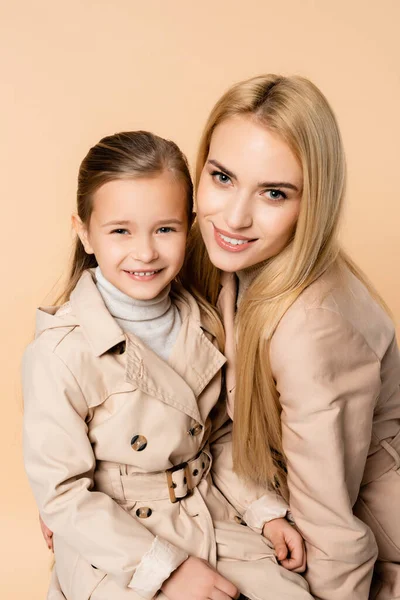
(156, 322)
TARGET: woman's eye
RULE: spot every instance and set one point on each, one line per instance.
(276, 195)
(220, 177)
(165, 230)
(120, 231)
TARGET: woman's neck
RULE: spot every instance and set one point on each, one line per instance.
(246, 278)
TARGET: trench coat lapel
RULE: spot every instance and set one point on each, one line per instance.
(193, 363)
(227, 307)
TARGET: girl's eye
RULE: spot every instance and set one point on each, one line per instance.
(165, 230)
(120, 231)
(276, 195)
(220, 177)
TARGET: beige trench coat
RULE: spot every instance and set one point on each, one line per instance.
(336, 364)
(106, 424)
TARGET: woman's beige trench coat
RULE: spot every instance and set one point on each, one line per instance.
(336, 364)
(113, 435)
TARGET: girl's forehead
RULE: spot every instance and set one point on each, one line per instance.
(140, 198)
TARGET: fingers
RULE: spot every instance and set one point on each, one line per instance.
(281, 551)
(218, 595)
(47, 533)
(297, 561)
(278, 541)
(225, 586)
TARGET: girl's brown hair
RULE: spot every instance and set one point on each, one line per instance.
(126, 155)
(296, 110)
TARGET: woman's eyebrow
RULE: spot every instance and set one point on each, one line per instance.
(266, 184)
(222, 168)
(278, 184)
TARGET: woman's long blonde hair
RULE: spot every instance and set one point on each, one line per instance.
(294, 109)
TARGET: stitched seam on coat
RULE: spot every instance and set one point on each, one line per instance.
(74, 378)
(381, 529)
(348, 323)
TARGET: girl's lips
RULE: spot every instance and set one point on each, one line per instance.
(242, 242)
(147, 275)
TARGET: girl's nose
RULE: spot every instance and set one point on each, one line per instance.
(144, 250)
(238, 214)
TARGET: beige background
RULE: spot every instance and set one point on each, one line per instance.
(74, 71)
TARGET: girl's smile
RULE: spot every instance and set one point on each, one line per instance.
(137, 232)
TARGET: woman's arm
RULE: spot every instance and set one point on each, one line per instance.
(59, 461)
(328, 379)
(263, 510)
(256, 504)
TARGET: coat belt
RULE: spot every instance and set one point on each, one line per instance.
(383, 460)
(173, 484)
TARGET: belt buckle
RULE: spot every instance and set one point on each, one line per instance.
(172, 485)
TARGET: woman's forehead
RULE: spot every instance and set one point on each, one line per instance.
(250, 150)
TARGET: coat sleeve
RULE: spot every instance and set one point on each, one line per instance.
(256, 504)
(328, 379)
(60, 463)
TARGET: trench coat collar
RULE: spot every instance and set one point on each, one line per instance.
(193, 363)
(86, 309)
(178, 382)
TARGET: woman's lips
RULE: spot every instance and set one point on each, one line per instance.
(232, 243)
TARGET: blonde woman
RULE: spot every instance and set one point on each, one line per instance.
(315, 394)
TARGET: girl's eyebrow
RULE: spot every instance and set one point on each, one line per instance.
(116, 223)
(267, 184)
(170, 222)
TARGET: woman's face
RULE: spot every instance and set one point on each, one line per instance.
(249, 194)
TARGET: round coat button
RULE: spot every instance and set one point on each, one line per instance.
(144, 512)
(239, 520)
(196, 430)
(138, 443)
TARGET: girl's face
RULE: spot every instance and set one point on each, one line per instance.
(137, 232)
(249, 194)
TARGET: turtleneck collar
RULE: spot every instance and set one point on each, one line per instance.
(122, 306)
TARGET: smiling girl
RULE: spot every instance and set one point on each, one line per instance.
(123, 416)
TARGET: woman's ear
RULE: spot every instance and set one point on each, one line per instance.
(82, 232)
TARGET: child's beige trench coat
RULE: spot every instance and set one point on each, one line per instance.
(113, 435)
(336, 364)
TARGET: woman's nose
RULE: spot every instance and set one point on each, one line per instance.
(238, 214)
(144, 250)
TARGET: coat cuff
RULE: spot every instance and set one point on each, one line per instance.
(155, 567)
(265, 509)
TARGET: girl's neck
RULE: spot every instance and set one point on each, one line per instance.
(156, 322)
(123, 306)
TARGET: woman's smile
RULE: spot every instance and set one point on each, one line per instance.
(232, 242)
(249, 194)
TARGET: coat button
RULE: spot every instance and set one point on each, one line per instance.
(196, 430)
(239, 520)
(138, 443)
(144, 512)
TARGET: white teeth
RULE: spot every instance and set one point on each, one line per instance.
(233, 241)
(142, 273)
